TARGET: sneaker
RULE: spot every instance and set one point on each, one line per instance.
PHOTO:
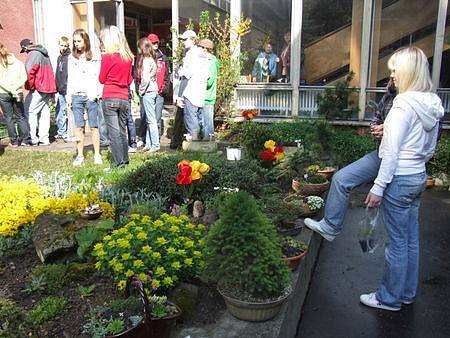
(407, 302)
(44, 143)
(132, 149)
(317, 227)
(153, 150)
(140, 144)
(107, 170)
(145, 149)
(372, 301)
(78, 161)
(98, 159)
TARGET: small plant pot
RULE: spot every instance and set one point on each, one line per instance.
(253, 312)
(294, 262)
(234, 154)
(91, 215)
(293, 230)
(430, 182)
(309, 189)
(327, 172)
(300, 211)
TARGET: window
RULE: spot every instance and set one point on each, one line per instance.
(266, 50)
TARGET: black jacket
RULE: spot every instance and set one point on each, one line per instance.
(61, 72)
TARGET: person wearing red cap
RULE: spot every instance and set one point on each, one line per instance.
(162, 78)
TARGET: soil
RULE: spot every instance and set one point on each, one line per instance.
(289, 251)
(15, 270)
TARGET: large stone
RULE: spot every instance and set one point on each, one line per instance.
(200, 146)
(54, 235)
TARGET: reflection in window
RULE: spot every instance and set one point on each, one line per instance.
(267, 49)
(331, 32)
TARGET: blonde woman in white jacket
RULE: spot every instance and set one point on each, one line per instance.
(409, 141)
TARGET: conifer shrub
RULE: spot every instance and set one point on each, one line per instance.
(243, 251)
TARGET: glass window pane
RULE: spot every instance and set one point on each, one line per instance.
(104, 14)
(266, 50)
(80, 16)
(190, 10)
(445, 66)
(331, 40)
(396, 24)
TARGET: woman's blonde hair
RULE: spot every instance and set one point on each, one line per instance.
(4, 53)
(411, 69)
(114, 41)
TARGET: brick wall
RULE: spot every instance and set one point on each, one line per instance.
(17, 21)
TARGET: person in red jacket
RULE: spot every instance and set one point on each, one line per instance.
(41, 83)
(115, 75)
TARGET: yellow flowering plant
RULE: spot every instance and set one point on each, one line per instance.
(169, 248)
(23, 200)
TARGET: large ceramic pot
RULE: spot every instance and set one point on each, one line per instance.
(253, 312)
(309, 189)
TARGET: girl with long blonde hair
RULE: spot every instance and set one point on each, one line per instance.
(116, 76)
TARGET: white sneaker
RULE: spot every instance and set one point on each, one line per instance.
(132, 150)
(140, 144)
(98, 159)
(78, 161)
(154, 150)
(408, 302)
(371, 300)
(317, 227)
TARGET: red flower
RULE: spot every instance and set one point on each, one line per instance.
(184, 177)
(278, 149)
(267, 155)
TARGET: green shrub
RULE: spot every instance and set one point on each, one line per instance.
(243, 250)
(440, 163)
(47, 278)
(158, 176)
(348, 146)
(11, 319)
(86, 237)
(47, 309)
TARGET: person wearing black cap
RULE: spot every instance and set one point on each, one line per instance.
(41, 83)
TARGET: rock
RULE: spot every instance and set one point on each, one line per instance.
(200, 146)
(198, 209)
(185, 295)
(54, 235)
(209, 217)
(441, 180)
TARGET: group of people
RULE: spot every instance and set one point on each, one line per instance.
(94, 81)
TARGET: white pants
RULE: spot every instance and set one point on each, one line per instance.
(39, 116)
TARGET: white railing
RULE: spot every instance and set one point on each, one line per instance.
(308, 100)
(271, 100)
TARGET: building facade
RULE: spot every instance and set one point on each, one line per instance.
(316, 42)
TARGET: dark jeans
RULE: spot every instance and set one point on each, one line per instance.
(115, 112)
(15, 113)
(102, 125)
(131, 128)
(178, 129)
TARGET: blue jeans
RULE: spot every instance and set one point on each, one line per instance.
(152, 137)
(116, 112)
(79, 103)
(159, 109)
(365, 170)
(14, 113)
(102, 125)
(61, 116)
(131, 128)
(400, 207)
(192, 117)
(208, 120)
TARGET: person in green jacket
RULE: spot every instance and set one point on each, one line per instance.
(207, 111)
(12, 78)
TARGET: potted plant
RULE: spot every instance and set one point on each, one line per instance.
(430, 182)
(303, 206)
(234, 153)
(326, 171)
(243, 253)
(311, 183)
(141, 316)
(293, 251)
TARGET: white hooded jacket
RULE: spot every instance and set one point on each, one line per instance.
(409, 136)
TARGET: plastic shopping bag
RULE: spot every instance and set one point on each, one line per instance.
(370, 230)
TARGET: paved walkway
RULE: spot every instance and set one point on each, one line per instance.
(343, 272)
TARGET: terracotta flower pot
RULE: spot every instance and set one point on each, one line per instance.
(430, 182)
(327, 172)
(308, 189)
(294, 262)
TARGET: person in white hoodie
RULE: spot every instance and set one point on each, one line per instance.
(83, 92)
(409, 140)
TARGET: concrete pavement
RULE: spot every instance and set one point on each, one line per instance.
(343, 272)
